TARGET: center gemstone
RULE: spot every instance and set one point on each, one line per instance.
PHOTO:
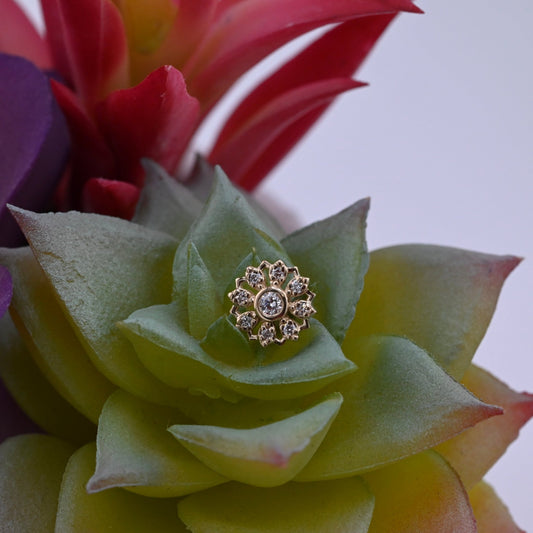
(271, 303)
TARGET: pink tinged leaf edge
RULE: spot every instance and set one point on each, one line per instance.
(154, 119)
(19, 36)
(88, 44)
(246, 32)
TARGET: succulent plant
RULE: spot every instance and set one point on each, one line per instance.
(162, 414)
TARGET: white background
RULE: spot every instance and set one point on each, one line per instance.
(442, 141)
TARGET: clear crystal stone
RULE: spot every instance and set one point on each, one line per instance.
(266, 333)
(241, 297)
(278, 272)
(271, 304)
(255, 277)
(297, 286)
(302, 309)
(246, 321)
(289, 329)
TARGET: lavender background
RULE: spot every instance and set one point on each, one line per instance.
(443, 143)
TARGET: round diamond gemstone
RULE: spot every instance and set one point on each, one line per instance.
(278, 272)
(302, 309)
(271, 304)
(289, 329)
(297, 286)
(255, 277)
(241, 297)
(246, 321)
(266, 333)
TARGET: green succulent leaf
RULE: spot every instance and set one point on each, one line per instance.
(264, 456)
(31, 469)
(114, 510)
(441, 298)
(165, 204)
(333, 506)
(397, 404)
(34, 394)
(48, 335)
(96, 269)
(177, 359)
(224, 233)
(421, 493)
(203, 302)
(333, 254)
(135, 450)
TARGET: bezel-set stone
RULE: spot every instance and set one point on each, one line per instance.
(274, 304)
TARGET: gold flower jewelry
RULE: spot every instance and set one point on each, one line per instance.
(280, 299)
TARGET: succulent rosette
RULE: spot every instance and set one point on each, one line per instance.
(164, 414)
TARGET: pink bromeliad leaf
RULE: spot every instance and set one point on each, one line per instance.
(110, 197)
(154, 119)
(90, 154)
(19, 37)
(275, 116)
(88, 45)
(243, 33)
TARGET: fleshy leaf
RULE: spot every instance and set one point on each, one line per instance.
(6, 290)
(154, 119)
(88, 44)
(112, 510)
(19, 36)
(492, 516)
(264, 456)
(338, 241)
(456, 289)
(246, 32)
(333, 506)
(50, 338)
(31, 469)
(165, 204)
(110, 197)
(34, 394)
(336, 55)
(203, 302)
(397, 404)
(102, 269)
(421, 493)
(473, 452)
(135, 450)
(33, 142)
(175, 357)
(229, 216)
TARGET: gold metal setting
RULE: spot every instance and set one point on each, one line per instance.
(272, 303)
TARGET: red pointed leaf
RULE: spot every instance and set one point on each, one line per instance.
(109, 197)
(90, 155)
(239, 155)
(474, 451)
(337, 54)
(88, 44)
(19, 37)
(154, 119)
(246, 32)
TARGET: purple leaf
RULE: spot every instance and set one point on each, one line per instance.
(6, 290)
(33, 142)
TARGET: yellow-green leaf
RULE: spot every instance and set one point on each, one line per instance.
(135, 450)
(340, 506)
(264, 456)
